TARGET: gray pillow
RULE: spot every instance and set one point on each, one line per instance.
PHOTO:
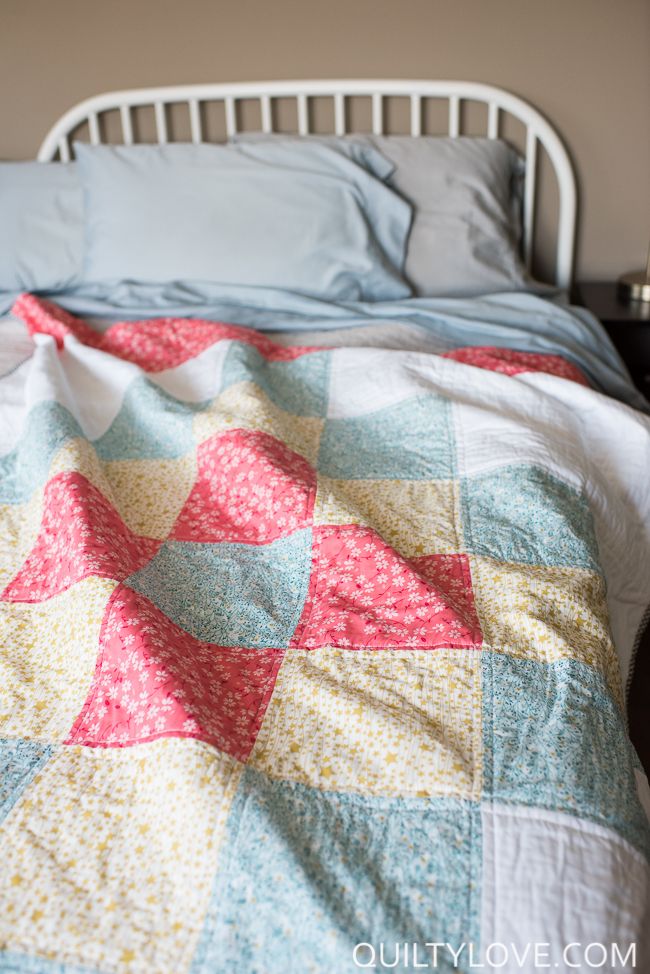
(300, 217)
(41, 226)
(466, 229)
(466, 197)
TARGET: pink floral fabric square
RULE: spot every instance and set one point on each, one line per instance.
(362, 593)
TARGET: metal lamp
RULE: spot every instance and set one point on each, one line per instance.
(636, 285)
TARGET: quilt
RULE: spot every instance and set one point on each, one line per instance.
(313, 659)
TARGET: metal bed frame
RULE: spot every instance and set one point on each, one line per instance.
(499, 103)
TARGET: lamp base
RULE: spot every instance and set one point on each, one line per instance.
(634, 286)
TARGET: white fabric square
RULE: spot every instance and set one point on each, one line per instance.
(549, 878)
(510, 423)
(363, 380)
(99, 381)
(199, 378)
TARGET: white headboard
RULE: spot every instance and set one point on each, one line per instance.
(499, 103)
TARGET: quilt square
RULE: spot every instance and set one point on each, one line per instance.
(196, 379)
(107, 846)
(19, 528)
(524, 514)
(410, 440)
(366, 379)
(150, 494)
(415, 517)
(48, 660)
(532, 857)
(396, 722)
(509, 361)
(298, 386)
(230, 594)
(250, 487)
(161, 346)
(546, 614)
(338, 870)
(491, 435)
(362, 593)
(553, 737)
(154, 680)
(247, 407)
(77, 455)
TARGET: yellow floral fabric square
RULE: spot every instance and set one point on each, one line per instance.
(546, 614)
(79, 456)
(377, 722)
(150, 494)
(19, 527)
(48, 659)
(416, 517)
(108, 845)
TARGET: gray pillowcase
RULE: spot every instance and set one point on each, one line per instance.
(41, 226)
(466, 197)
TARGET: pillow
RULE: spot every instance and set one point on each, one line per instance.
(466, 198)
(302, 217)
(41, 226)
(467, 203)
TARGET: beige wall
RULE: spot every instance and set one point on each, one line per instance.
(584, 63)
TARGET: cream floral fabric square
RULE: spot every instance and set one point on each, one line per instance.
(19, 527)
(378, 722)
(416, 517)
(150, 494)
(112, 843)
(546, 614)
(48, 659)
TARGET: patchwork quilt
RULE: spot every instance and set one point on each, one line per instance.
(313, 659)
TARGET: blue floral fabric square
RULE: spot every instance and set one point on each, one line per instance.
(231, 594)
(524, 514)
(325, 871)
(554, 738)
(411, 440)
(48, 427)
(151, 424)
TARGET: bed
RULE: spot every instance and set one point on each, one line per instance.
(321, 578)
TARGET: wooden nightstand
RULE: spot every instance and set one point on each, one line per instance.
(627, 324)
